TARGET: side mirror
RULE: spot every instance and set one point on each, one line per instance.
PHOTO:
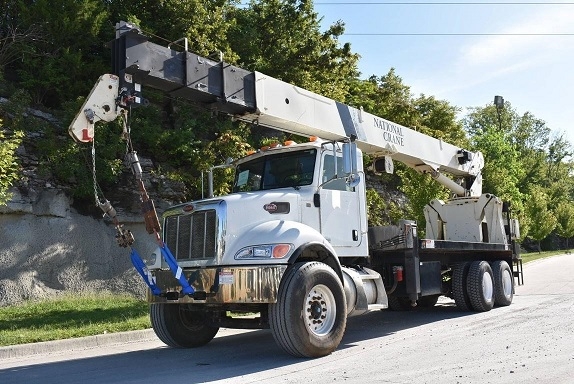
(349, 158)
(350, 163)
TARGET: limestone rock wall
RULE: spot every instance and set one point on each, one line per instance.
(47, 248)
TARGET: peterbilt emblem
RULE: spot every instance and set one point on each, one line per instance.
(277, 207)
(270, 207)
(188, 208)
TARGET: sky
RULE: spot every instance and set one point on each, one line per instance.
(466, 52)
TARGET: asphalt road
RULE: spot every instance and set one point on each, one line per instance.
(531, 341)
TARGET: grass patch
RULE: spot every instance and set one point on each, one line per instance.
(531, 256)
(71, 316)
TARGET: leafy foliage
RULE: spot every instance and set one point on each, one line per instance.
(564, 213)
(503, 167)
(420, 189)
(543, 220)
(524, 161)
(9, 168)
(52, 51)
(375, 208)
(282, 38)
(68, 56)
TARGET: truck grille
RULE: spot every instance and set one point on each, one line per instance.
(192, 236)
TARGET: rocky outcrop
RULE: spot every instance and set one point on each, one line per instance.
(48, 247)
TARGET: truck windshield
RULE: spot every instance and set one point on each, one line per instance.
(279, 170)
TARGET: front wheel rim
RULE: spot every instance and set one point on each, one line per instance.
(319, 310)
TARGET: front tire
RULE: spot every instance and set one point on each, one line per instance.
(310, 315)
(503, 283)
(480, 286)
(179, 327)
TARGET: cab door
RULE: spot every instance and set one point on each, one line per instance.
(339, 206)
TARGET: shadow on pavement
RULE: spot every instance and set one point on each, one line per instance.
(225, 358)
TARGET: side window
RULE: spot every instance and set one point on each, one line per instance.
(339, 183)
(248, 177)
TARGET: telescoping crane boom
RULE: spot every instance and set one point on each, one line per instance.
(257, 98)
(292, 242)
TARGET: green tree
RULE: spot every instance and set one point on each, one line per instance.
(543, 220)
(504, 169)
(522, 152)
(375, 208)
(15, 40)
(559, 169)
(420, 189)
(283, 39)
(69, 56)
(438, 118)
(205, 24)
(564, 213)
(385, 96)
(544, 156)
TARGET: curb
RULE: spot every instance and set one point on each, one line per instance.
(80, 343)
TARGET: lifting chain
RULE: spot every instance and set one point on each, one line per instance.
(124, 237)
(131, 158)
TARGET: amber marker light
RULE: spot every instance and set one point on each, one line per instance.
(281, 250)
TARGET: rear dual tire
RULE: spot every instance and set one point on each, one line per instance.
(503, 283)
(479, 285)
(459, 290)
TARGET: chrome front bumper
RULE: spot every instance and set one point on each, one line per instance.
(222, 285)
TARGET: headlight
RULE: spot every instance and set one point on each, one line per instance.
(264, 251)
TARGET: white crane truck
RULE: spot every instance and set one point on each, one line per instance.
(291, 242)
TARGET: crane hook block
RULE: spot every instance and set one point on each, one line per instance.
(100, 105)
(124, 237)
